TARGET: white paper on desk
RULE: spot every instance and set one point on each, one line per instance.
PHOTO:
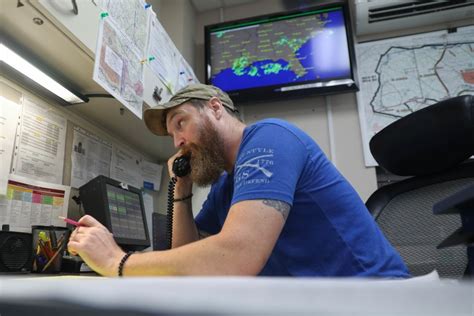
(40, 148)
(31, 202)
(151, 174)
(90, 157)
(125, 167)
(9, 118)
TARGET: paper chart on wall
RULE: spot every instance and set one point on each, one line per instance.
(39, 152)
(118, 68)
(151, 175)
(125, 167)
(31, 202)
(9, 118)
(90, 157)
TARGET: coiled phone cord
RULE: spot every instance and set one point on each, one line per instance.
(170, 210)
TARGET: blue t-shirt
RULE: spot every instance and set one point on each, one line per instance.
(328, 232)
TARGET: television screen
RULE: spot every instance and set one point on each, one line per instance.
(286, 54)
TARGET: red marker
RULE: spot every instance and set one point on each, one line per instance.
(70, 221)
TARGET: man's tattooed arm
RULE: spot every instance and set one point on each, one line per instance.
(202, 234)
(282, 207)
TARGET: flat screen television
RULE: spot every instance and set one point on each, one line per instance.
(282, 55)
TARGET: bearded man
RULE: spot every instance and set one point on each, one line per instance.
(277, 206)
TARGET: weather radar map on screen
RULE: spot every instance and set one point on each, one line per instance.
(300, 48)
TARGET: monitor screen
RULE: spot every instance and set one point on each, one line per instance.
(289, 54)
(119, 207)
(125, 213)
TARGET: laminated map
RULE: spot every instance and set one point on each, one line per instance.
(117, 67)
(401, 75)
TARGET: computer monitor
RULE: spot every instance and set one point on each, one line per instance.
(119, 207)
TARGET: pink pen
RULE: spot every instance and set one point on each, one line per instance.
(70, 221)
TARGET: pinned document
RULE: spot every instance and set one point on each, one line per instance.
(9, 118)
(40, 146)
(31, 202)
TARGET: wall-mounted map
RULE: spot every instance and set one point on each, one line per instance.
(117, 67)
(131, 17)
(131, 39)
(401, 75)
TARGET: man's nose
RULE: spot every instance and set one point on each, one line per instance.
(178, 141)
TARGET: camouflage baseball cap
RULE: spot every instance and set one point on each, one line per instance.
(154, 117)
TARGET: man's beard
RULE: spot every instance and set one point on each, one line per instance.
(207, 159)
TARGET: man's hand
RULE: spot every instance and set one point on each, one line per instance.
(96, 246)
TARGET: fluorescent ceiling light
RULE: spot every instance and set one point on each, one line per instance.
(26, 68)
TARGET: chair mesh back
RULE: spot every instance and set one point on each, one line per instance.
(417, 232)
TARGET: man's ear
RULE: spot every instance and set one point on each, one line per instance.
(216, 107)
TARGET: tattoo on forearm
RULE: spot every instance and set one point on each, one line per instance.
(282, 207)
(202, 234)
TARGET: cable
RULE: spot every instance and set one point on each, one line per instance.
(170, 210)
(181, 167)
(75, 9)
(99, 95)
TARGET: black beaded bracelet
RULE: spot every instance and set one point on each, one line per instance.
(184, 198)
(122, 262)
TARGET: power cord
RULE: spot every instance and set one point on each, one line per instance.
(170, 211)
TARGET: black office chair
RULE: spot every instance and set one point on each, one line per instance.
(433, 146)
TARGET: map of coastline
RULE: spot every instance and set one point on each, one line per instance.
(402, 75)
(276, 52)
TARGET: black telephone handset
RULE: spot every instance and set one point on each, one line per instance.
(181, 167)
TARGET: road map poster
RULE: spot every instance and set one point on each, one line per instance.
(402, 75)
(131, 17)
(117, 67)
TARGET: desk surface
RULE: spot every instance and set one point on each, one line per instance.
(77, 295)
